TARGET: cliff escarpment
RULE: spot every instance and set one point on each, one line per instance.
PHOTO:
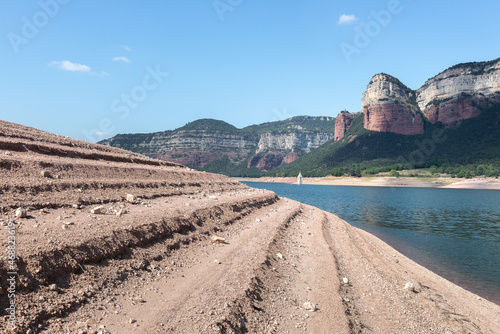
(458, 93)
(264, 147)
(390, 106)
(343, 122)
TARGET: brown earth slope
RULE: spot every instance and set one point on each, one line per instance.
(147, 264)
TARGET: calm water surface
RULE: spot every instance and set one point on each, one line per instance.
(453, 232)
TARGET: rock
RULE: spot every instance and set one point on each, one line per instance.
(76, 206)
(280, 256)
(258, 220)
(44, 210)
(121, 212)
(217, 240)
(131, 198)
(345, 280)
(53, 287)
(309, 306)
(138, 300)
(389, 106)
(91, 322)
(212, 197)
(20, 213)
(98, 210)
(343, 122)
(81, 325)
(69, 223)
(410, 287)
(132, 320)
(79, 199)
(271, 160)
(217, 261)
(45, 173)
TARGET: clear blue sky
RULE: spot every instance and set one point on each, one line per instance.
(91, 69)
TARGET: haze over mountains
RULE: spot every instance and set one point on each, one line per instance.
(451, 120)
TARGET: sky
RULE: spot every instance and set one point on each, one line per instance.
(92, 69)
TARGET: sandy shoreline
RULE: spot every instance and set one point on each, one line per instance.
(446, 183)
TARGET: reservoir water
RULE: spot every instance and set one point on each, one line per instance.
(453, 232)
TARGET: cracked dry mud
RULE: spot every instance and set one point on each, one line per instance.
(285, 267)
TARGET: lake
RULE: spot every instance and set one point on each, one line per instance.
(453, 232)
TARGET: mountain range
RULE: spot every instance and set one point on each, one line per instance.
(452, 122)
(217, 146)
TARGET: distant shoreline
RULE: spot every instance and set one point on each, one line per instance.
(409, 182)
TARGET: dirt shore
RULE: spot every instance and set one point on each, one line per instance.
(453, 183)
(113, 242)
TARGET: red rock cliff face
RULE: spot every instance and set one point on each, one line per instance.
(390, 117)
(342, 123)
(452, 111)
(291, 157)
(270, 161)
(460, 92)
(389, 106)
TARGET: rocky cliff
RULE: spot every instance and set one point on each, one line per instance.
(303, 140)
(460, 92)
(264, 146)
(343, 122)
(390, 106)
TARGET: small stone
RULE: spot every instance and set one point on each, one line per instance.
(53, 287)
(345, 280)
(44, 210)
(45, 173)
(76, 206)
(217, 261)
(217, 240)
(132, 320)
(212, 197)
(121, 212)
(309, 306)
(258, 220)
(20, 213)
(130, 198)
(91, 322)
(69, 223)
(101, 327)
(138, 300)
(81, 325)
(99, 210)
(8, 153)
(280, 256)
(410, 287)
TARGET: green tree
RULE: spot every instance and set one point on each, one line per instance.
(394, 173)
